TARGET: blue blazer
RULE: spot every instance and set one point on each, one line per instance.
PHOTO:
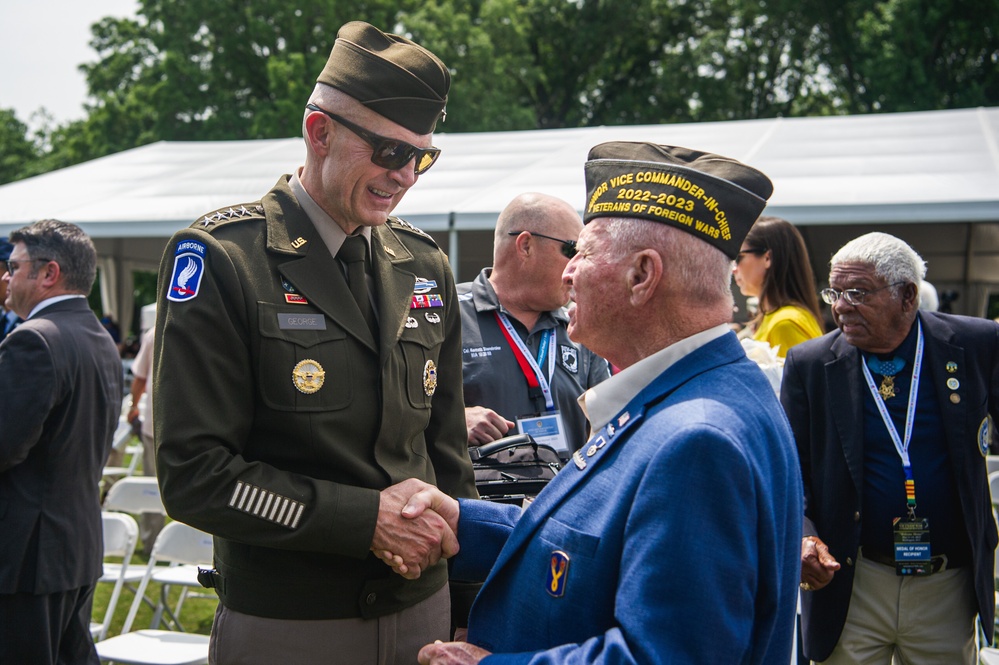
(677, 541)
(822, 392)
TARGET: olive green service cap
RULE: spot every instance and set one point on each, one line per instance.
(715, 198)
(389, 74)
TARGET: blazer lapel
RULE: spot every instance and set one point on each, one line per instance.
(939, 352)
(310, 267)
(844, 383)
(721, 351)
(394, 283)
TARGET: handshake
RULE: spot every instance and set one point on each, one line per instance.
(417, 525)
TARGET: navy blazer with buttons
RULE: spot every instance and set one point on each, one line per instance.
(822, 393)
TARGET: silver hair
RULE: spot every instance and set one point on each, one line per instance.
(691, 266)
(892, 259)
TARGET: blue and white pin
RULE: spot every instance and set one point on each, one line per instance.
(423, 285)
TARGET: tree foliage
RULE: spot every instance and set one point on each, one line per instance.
(242, 69)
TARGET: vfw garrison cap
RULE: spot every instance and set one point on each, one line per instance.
(715, 198)
(389, 74)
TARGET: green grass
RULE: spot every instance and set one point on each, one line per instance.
(196, 614)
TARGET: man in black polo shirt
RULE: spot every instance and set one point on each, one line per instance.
(893, 414)
(519, 366)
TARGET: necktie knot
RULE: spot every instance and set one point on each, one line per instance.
(354, 249)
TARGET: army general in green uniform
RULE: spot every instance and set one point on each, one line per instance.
(308, 363)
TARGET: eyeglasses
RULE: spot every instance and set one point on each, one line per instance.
(851, 296)
(568, 246)
(387, 153)
(14, 265)
(741, 255)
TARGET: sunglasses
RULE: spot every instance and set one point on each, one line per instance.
(391, 154)
(12, 265)
(741, 255)
(568, 246)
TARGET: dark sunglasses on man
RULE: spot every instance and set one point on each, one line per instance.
(387, 153)
(568, 246)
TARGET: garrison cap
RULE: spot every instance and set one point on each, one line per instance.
(5, 249)
(389, 74)
(715, 198)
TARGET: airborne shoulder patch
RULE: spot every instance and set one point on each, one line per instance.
(188, 269)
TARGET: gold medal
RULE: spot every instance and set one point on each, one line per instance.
(429, 378)
(887, 388)
(308, 376)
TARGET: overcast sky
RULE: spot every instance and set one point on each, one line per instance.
(44, 42)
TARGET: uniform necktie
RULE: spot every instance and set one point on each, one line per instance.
(354, 253)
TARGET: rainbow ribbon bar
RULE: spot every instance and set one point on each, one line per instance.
(428, 300)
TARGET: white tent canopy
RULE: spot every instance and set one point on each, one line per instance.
(927, 167)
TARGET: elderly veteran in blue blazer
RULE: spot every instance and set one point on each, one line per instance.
(893, 414)
(673, 535)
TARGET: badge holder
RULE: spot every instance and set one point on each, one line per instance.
(912, 545)
(546, 428)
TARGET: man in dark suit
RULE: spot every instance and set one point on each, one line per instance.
(893, 414)
(61, 387)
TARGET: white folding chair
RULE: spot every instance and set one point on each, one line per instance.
(121, 533)
(177, 543)
(988, 656)
(135, 495)
(132, 451)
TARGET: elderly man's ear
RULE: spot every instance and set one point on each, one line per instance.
(644, 275)
(910, 299)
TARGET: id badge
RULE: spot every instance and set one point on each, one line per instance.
(546, 428)
(912, 546)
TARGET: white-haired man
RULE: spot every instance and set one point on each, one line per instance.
(672, 536)
(893, 414)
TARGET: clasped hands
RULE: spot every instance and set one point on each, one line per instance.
(417, 526)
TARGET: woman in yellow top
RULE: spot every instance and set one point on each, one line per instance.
(773, 266)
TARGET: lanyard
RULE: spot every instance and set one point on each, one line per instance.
(536, 379)
(902, 446)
